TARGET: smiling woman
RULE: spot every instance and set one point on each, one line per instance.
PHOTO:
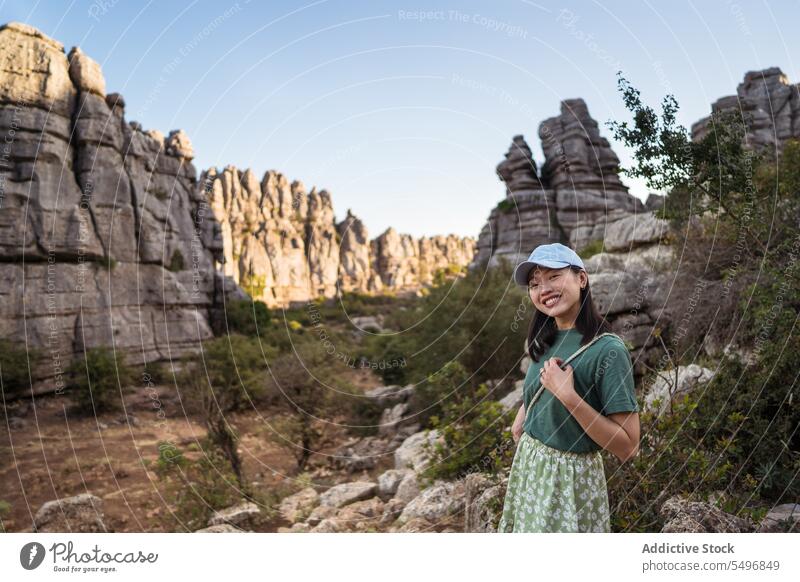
(557, 481)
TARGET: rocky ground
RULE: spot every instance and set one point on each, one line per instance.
(65, 473)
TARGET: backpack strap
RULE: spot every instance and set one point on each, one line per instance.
(567, 361)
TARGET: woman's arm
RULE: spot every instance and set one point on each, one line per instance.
(618, 432)
(519, 422)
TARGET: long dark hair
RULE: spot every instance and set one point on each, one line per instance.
(542, 330)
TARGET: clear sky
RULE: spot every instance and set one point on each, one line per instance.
(402, 109)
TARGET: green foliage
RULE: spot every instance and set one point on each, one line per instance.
(254, 285)
(591, 249)
(310, 388)
(176, 263)
(15, 362)
(479, 319)
(196, 486)
(505, 205)
(442, 276)
(229, 375)
(474, 427)
(97, 378)
(736, 438)
(246, 317)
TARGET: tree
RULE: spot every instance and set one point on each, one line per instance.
(228, 377)
(309, 390)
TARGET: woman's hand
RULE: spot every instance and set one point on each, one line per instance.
(558, 381)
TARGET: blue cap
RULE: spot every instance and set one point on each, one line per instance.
(553, 256)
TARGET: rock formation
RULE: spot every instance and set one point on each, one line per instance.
(769, 106)
(578, 193)
(102, 230)
(283, 246)
(108, 238)
(579, 200)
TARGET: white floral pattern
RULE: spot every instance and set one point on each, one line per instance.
(550, 490)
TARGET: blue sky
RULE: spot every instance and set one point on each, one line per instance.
(403, 109)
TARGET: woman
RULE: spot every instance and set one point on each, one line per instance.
(557, 482)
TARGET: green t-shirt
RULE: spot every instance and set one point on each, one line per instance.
(603, 377)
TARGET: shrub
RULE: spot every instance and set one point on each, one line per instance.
(591, 249)
(196, 486)
(97, 378)
(310, 389)
(251, 318)
(229, 373)
(736, 437)
(15, 365)
(475, 429)
(480, 319)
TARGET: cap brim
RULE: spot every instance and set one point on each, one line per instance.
(523, 270)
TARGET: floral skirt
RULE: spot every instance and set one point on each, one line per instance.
(550, 490)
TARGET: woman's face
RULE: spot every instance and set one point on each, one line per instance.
(557, 292)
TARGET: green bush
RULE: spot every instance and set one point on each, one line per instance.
(505, 205)
(474, 428)
(736, 438)
(591, 249)
(229, 373)
(196, 486)
(15, 365)
(246, 317)
(480, 319)
(311, 391)
(97, 378)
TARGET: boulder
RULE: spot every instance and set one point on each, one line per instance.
(781, 518)
(688, 378)
(320, 513)
(483, 502)
(392, 419)
(390, 480)
(244, 514)
(414, 453)
(684, 516)
(518, 170)
(298, 507)
(85, 73)
(179, 145)
(345, 493)
(79, 514)
(440, 500)
(364, 453)
(361, 515)
(415, 525)
(390, 395)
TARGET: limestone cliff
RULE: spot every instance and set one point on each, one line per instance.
(108, 237)
(284, 247)
(103, 235)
